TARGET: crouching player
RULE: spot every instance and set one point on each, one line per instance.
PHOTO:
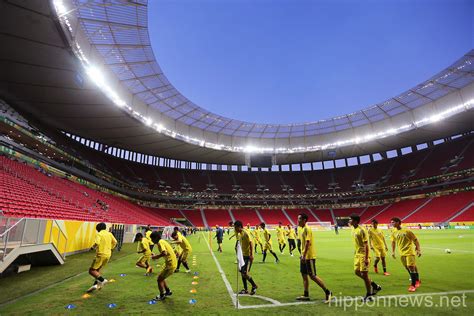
(186, 250)
(243, 237)
(103, 244)
(144, 249)
(164, 251)
(405, 239)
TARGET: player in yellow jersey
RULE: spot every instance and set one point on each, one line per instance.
(290, 233)
(362, 257)
(405, 240)
(298, 236)
(308, 260)
(144, 249)
(257, 238)
(186, 250)
(148, 232)
(245, 240)
(378, 246)
(103, 244)
(164, 251)
(280, 230)
(267, 246)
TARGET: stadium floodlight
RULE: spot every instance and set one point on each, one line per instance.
(60, 7)
(148, 121)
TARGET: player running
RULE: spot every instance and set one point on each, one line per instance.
(378, 245)
(362, 257)
(405, 239)
(186, 250)
(103, 244)
(164, 251)
(243, 237)
(144, 249)
(308, 261)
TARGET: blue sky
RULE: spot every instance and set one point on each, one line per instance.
(289, 61)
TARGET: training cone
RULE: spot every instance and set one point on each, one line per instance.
(86, 296)
(112, 280)
(194, 283)
(151, 302)
(195, 277)
(70, 306)
(196, 274)
(192, 301)
(111, 305)
(122, 274)
(193, 291)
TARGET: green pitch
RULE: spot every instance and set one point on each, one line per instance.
(56, 287)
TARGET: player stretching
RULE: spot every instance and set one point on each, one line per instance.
(267, 238)
(291, 239)
(362, 258)
(186, 250)
(243, 236)
(281, 237)
(144, 248)
(405, 239)
(103, 244)
(378, 245)
(308, 260)
(164, 250)
(257, 238)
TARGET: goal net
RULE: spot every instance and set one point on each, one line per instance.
(320, 225)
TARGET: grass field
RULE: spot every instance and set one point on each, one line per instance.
(56, 287)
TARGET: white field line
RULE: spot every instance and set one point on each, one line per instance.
(224, 278)
(348, 299)
(452, 250)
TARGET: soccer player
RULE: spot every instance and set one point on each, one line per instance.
(362, 258)
(267, 238)
(219, 236)
(147, 236)
(144, 249)
(281, 237)
(291, 239)
(257, 238)
(164, 251)
(378, 245)
(103, 244)
(298, 235)
(308, 261)
(405, 239)
(243, 236)
(187, 249)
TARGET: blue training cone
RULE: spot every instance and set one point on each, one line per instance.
(70, 306)
(151, 302)
(122, 274)
(111, 305)
(195, 273)
(192, 301)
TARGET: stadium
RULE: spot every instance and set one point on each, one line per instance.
(93, 132)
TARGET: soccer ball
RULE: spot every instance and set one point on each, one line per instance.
(447, 250)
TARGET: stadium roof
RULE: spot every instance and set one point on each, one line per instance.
(88, 68)
(120, 35)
